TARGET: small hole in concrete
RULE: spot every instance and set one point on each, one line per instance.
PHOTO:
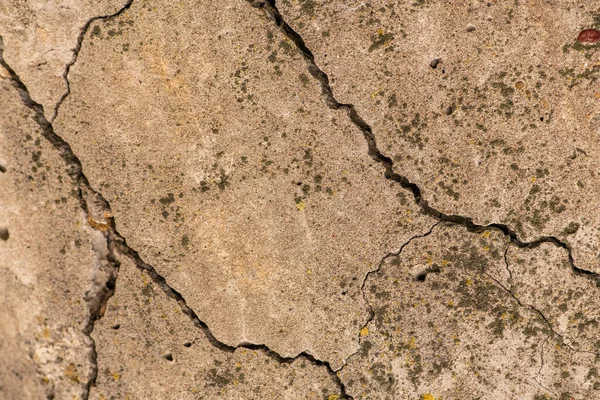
(116, 326)
(421, 277)
(4, 234)
(2, 168)
(188, 344)
(169, 356)
(541, 118)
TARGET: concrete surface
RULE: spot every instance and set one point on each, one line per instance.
(304, 200)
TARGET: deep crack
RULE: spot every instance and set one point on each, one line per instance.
(268, 6)
(90, 199)
(76, 51)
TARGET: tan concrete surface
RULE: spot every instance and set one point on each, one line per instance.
(445, 327)
(47, 263)
(40, 38)
(149, 349)
(260, 205)
(299, 200)
(520, 145)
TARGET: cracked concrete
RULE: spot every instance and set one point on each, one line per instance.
(300, 200)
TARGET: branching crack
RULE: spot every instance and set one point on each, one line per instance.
(76, 51)
(376, 270)
(538, 312)
(268, 6)
(91, 200)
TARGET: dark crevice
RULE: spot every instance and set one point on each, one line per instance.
(76, 51)
(90, 199)
(268, 6)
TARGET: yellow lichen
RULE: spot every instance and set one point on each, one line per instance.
(333, 397)
(428, 396)
(71, 373)
(364, 331)
(300, 205)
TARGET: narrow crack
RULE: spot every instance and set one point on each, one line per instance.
(374, 271)
(91, 200)
(76, 51)
(269, 8)
(539, 313)
(510, 275)
(537, 376)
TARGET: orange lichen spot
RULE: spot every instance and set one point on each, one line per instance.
(428, 396)
(116, 376)
(469, 282)
(364, 331)
(99, 226)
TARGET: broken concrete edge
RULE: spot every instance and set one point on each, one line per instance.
(117, 244)
(76, 51)
(271, 11)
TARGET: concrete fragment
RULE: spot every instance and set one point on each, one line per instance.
(505, 131)
(226, 172)
(147, 348)
(446, 327)
(41, 37)
(47, 263)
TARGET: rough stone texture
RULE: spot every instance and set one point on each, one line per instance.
(40, 38)
(47, 262)
(445, 326)
(231, 178)
(261, 242)
(149, 349)
(520, 145)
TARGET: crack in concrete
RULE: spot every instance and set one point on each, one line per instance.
(269, 8)
(537, 376)
(374, 271)
(76, 51)
(539, 313)
(117, 244)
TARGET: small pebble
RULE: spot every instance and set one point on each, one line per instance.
(434, 63)
(470, 28)
(519, 85)
(449, 110)
(589, 36)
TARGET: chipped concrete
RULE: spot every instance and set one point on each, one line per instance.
(302, 200)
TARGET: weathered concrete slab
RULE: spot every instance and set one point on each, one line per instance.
(47, 263)
(492, 108)
(445, 326)
(227, 173)
(149, 349)
(261, 242)
(40, 38)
